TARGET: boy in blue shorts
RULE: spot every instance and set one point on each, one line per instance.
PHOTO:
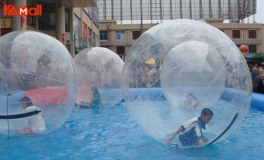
(190, 132)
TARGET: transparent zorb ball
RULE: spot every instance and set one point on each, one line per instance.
(36, 71)
(178, 68)
(99, 72)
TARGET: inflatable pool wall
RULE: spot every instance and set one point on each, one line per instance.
(257, 100)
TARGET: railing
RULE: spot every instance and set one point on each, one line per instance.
(116, 43)
(248, 41)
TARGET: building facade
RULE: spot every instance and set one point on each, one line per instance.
(250, 34)
(120, 37)
(86, 28)
(123, 21)
(57, 19)
(153, 10)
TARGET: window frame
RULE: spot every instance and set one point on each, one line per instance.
(234, 34)
(121, 37)
(250, 49)
(118, 51)
(133, 36)
(255, 34)
(104, 34)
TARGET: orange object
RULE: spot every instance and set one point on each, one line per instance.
(48, 96)
(243, 49)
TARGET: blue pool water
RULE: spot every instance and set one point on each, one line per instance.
(110, 133)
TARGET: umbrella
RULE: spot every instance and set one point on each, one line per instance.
(150, 61)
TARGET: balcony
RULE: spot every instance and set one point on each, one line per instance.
(116, 43)
(248, 41)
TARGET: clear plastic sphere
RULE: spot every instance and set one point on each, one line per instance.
(98, 70)
(38, 83)
(185, 67)
(178, 68)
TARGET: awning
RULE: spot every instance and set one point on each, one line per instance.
(257, 56)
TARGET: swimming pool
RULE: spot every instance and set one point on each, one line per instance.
(110, 133)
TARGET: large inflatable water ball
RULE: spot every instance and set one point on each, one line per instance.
(38, 83)
(185, 67)
(99, 73)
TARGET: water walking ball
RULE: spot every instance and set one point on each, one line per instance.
(99, 73)
(38, 83)
(193, 66)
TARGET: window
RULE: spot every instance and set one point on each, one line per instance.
(120, 35)
(136, 34)
(252, 34)
(103, 35)
(236, 33)
(122, 57)
(67, 20)
(47, 20)
(252, 49)
(89, 35)
(94, 39)
(120, 50)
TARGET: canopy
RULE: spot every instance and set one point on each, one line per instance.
(258, 56)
